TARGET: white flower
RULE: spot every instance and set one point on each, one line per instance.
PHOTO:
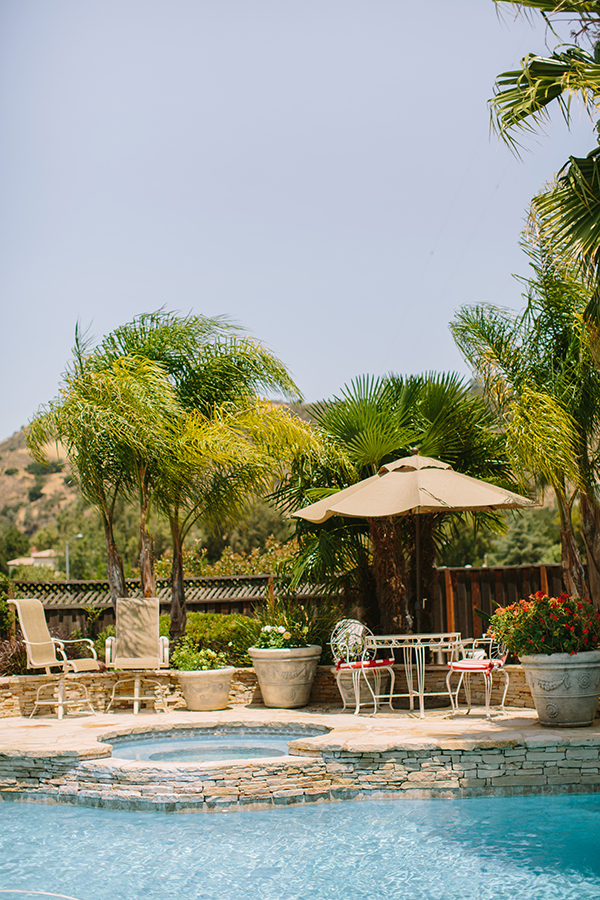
(281, 629)
(267, 628)
(287, 635)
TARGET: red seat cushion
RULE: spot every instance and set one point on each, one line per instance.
(475, 665)
(367, 664)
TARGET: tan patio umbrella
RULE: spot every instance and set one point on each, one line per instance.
(413, 485)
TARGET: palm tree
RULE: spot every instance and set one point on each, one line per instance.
(539, 370)
(570, 208)
(374, 421)
(116, 427)
(221, 464)
(225, 444)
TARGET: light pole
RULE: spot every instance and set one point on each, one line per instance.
(67, 556)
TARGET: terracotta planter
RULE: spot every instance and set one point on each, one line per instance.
(565, 688)
(206, 689)
(285, 676)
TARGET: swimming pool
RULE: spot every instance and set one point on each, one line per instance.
(495, 849)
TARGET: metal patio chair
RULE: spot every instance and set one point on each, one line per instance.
(137, 647)
(482, 656)
(352, 654)
(42, 651)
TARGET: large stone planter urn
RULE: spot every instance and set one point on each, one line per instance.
(285, 676)
(565, 688)
(206, 689)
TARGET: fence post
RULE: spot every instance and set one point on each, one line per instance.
(450, 620)
(475, 604)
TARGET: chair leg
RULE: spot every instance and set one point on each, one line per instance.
(449, 689)
(392, 683)
(61, 699)
(338, 678)
(467, 683)
(487, 677)
(356, 686)
(506, 681)
(136, 695)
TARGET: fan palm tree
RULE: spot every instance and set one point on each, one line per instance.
(539, 369)
(371, 422)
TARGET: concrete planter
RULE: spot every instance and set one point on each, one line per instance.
(206, 689)
(285, 676)
(565, 688)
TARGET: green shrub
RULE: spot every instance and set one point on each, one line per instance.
(227, 634)
(11, 471)
(100, 642)
(37, 468)
(233, 634)
(188, 658)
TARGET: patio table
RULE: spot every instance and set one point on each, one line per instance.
(442, 643)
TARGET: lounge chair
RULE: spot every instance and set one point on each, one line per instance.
(41, 654)
(137, 646)
(483, 656)
(352, 654)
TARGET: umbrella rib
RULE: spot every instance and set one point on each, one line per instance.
(433, 497)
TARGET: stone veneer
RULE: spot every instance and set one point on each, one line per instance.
(328, 768)
(17, 693)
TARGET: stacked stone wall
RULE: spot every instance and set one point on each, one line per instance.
(17, 693)
(452, 770)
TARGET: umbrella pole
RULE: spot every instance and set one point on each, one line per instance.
(418, 571)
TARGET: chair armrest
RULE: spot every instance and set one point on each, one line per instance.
(82, 641)
(109, 651)
(58, 645)
(163, 652)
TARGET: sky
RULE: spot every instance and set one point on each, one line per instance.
(320, 171)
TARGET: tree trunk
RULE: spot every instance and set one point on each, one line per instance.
(590, 526)
(147, 574)
(389, 570)
(572, 568)
(116, 574)
(178, 608)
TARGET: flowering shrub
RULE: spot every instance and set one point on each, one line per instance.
(545, 624)
(285, 625)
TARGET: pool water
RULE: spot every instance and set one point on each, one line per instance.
(525, 848)
(205, 747)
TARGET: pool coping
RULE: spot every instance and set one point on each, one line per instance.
(388, 756)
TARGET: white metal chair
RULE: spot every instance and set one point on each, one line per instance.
(352, 654)
(137, 646)
(481, 656)
(41, 654)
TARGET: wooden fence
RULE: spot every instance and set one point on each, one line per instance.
(69, 603)
(461, 592)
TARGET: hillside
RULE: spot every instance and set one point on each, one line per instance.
(31, 497)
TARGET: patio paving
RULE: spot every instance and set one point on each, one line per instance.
(80, 734)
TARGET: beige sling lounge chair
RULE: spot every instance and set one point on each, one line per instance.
(41, 654)
(139, 647)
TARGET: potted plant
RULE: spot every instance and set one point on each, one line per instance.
(204, 676)
(284, 656)
(556, 640)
